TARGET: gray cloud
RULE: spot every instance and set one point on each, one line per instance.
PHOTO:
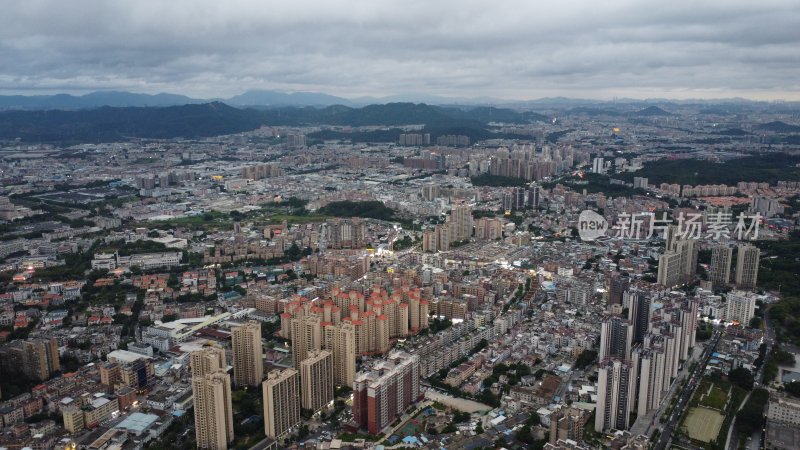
(511, 49)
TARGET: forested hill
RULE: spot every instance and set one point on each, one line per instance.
(107, 124)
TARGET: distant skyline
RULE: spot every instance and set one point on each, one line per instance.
(509, 50)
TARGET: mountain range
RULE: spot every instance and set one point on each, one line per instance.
(269, 98)
(107, 124)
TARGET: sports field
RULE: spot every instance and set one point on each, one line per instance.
(703, 424)
(715, 399)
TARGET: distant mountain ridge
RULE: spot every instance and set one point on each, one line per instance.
(106, 124)
(93, 100)
(272, 98)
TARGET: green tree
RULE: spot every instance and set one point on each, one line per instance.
(742, 378)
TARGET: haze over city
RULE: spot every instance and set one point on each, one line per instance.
(509, 50)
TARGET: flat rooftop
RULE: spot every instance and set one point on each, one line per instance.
(137, 422)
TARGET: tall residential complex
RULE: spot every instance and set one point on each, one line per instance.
(669, 269)
(688, 251)
(40, 358)
(382, 394)
(213, 411)
(281, 391)
(317, 380)
(720, 271)
(306, 337)
(248, 359)
(211, 386)
(617, 285)
(747, 266)
(534, 195)
(740, 306)
(376, 319)
(638, 312)
(460, 222)
(616, 338)
(615, 390)
(437, 239)
(210, 359)
(340, 340)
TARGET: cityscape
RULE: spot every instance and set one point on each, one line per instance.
(253, 264)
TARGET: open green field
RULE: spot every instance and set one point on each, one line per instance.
(703, 424)
(716, 398)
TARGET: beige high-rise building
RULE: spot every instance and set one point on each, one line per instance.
(720, 271)
(281, 392)
(316, 379)
(437, 239)
(40, 358)
(210, 359)
(248, 354)
(460, 222)
(340, 340)
(669, 269)
(488, 228)
(747, 259)
(740, 306)
(688, 251)
(213, 411)
(306, 337)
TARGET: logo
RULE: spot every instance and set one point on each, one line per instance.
(591, 225)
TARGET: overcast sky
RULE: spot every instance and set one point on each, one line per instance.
(505, 49)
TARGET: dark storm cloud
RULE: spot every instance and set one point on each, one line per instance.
(521, 49)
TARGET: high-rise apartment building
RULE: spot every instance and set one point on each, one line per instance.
(431, 192)
(669, 269)
(437, 239)
(210, 358)
(617, 285)
(638, 313)
(598, 165)
(615, 390)
(211, 387)
(248, 359)
(740, 306)
(316, 380)
(281, 391)
(534, 195)
(306, 337)
(720, 270)
(747, 259)
(213, 410)
(385, 392)
(340, 340)
(460, 222)
(616, 338)
(40, 358)
(488, 228)
(688, 251)
(649, 365)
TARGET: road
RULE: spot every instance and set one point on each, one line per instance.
(757, 438)
(644, 425)
(668, 428)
